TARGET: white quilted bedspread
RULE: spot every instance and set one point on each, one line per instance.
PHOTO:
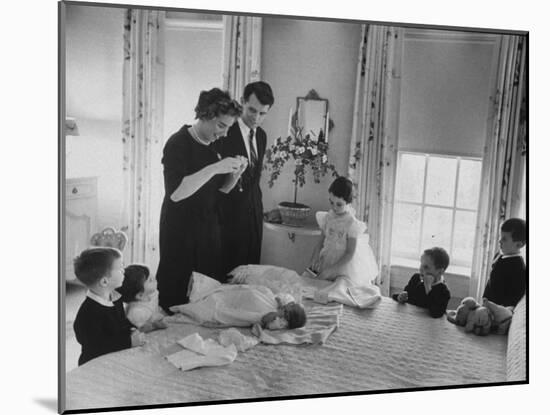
(391, 346)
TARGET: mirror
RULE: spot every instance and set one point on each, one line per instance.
(312, 116)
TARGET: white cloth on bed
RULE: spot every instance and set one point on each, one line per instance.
(344, 291)
(199, 352)
(236, 338)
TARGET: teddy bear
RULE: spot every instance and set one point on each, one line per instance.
(481, 319)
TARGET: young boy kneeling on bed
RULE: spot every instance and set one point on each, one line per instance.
(427, 288)
(101, 326)
(507, 281)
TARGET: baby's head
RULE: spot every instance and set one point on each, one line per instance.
(513, 236)
(434, 261)
(289, 316)
(137, 285)
(99, 268)
(340, 194)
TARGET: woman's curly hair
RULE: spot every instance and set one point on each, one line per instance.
(214, 103)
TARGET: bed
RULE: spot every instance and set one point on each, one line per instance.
(388, 347)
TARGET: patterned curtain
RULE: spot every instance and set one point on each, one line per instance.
(242, 45)
(143, 95)
(503, 159)
(373, 147)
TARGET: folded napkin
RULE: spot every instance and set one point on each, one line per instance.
(234, 337)
(199, 352)
(321, 323)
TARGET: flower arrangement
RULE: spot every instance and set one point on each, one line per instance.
(305, 151)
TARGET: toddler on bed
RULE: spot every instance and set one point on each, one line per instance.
(101, 326)
(336, 254)
(140, 292)
(507, 281)
(427, 288)
(239, 305)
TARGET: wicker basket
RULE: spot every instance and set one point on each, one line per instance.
(294, 214)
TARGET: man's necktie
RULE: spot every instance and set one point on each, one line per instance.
(253, 155)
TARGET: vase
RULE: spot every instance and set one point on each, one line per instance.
(294, 214)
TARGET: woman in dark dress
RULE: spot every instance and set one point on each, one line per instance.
(194, 174)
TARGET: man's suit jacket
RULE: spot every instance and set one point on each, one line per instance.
(251, 195)
(241, 212)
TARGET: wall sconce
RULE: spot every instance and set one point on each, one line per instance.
(70, 126)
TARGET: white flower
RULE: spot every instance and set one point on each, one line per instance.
(283, 153)
(324, 158)
(314, 151)
(301, 150)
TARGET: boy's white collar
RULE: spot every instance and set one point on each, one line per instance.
(510, 255)
(115, 295)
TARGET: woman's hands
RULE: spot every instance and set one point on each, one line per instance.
(235, 165)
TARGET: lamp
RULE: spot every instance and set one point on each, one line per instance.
(70, 126)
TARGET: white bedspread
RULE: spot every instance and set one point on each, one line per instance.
(391, 346)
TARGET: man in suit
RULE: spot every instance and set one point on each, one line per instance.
(242, 209)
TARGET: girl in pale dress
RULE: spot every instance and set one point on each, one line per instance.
(141, 295)
(343, 254)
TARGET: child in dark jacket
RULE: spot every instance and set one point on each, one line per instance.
(101, 325)
(508, 281)
(427, 288)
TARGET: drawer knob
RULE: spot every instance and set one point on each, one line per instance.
(75, 190)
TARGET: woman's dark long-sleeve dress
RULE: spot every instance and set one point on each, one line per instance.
(189, 229)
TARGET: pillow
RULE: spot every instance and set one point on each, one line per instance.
(277, 279)
(200, 286)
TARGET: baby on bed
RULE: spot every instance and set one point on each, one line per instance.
(239, 305)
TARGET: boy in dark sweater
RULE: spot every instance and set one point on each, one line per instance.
(101, 326)
(427, 288)
(508, 281)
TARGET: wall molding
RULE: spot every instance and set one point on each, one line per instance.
(193, 24)
(420, 35)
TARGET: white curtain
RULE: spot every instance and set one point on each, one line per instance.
(143, 95)
(242, 45)
(503, 159)
(373, 146)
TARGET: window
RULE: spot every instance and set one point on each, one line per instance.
(436, 200)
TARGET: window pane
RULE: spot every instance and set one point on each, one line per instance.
(406, 229)
(437, 228)
(463, 242)
(411, 178)
(469, 178)
(440, 185)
